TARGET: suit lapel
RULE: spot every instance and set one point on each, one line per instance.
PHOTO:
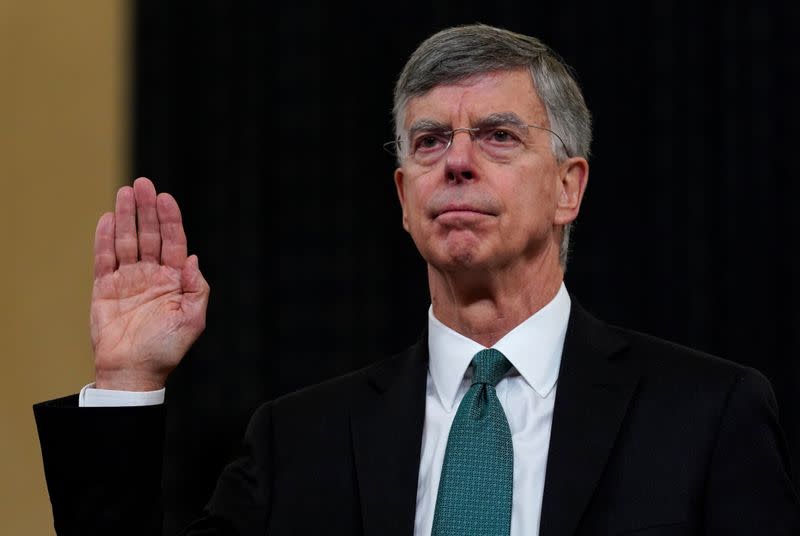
(592, 397)
(387, 438)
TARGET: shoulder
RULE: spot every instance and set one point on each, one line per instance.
(338, 395)
(664, 366)
(671, 360)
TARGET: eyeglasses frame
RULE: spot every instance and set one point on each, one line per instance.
(394, 147)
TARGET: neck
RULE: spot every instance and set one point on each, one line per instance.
(485, 305)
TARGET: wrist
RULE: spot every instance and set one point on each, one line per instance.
(128, 380)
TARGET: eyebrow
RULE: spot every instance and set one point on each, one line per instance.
(423, 125)
(492, 120)
(502, 118)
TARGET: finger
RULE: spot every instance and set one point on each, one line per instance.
(125, 227)
(105, 259)
(195, 292)
(173, 238)
(194, 302)
(147, 220)
(192, 281)
(195, 288)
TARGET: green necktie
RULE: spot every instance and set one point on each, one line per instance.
(476, 485)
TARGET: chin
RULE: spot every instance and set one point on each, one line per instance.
(459, 263)
(458, 259)
(456, 251)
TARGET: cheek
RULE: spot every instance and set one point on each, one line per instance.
(413, 206)
(535, 197)
(413, 213)
(529, 188)
(417, 197)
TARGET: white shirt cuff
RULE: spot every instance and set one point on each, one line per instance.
(90, 397)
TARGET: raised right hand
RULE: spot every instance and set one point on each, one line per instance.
(149, 299)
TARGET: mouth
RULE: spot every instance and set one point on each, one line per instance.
(458, 215)
(464, 210)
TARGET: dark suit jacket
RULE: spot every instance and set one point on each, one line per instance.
(648, 438)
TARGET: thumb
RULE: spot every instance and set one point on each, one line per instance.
(195, 287)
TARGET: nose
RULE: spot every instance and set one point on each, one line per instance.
(460, 159)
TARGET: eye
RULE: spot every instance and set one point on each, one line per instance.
(428, 141)
(501, 136)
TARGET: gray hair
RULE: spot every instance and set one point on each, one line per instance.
(456, 54)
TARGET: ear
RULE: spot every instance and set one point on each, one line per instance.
(401, 194)
(573, 176)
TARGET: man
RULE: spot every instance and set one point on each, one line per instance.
(516, 413)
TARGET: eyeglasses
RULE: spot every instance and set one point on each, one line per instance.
(498, 142)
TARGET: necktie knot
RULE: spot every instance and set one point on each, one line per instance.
(489, 366)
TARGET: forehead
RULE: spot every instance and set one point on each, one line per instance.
(477, 97)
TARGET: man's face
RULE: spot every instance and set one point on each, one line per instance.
(469, 210)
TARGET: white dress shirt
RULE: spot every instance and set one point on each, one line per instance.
(91, 397)
(527, 394)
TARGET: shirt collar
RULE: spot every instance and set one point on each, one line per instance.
(533, 347)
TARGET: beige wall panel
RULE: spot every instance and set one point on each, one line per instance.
(63, 139)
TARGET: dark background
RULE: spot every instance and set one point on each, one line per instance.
(266, 123)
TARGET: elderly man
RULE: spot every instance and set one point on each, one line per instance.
(516, 413)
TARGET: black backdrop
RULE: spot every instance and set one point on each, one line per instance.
(266, 123)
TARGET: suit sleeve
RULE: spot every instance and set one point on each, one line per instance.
(749, 489)
(103, 468)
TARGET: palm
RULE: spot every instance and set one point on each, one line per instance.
(136, 306)
(149, 299)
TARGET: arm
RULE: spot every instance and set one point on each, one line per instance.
(749, 488)
(103, 465)
(103, 468)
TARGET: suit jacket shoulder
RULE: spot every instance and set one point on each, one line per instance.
(647, 433)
